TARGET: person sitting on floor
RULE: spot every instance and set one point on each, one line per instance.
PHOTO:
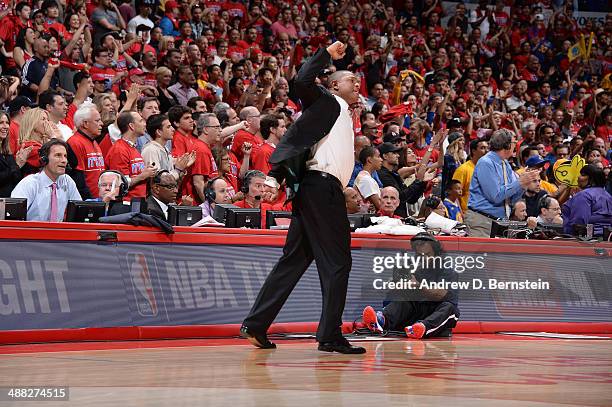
(421, 312)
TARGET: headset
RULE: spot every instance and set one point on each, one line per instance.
(45, 149)
(123, 188)
(426, 237)
(247, 181)
(209, 191)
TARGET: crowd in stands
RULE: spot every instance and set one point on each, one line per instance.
(466, 110)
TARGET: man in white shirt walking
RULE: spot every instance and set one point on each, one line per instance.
(316, 159)
(49, 191)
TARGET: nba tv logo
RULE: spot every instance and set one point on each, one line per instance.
(143, 287)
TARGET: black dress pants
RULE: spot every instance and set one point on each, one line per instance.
(438, 317)
(319, 231)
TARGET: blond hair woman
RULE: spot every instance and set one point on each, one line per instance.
(34, 131)
(166, 98)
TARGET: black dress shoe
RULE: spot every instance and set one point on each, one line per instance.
(341, 346)
(258, 340)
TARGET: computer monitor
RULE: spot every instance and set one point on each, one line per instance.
(220, 212)
(359, 220)
(506, 228)
(13, 208)
(184, 215)
(85, 211)
(243, 218)
(278, 219)
(138, 205)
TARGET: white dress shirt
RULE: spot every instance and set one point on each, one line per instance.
(334, 153)
(36, 189)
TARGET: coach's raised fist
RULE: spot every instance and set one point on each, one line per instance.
(337, 50)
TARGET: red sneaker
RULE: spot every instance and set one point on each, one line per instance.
(416, 331)
(370, 319)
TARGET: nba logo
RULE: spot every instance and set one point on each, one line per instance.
(143, 288)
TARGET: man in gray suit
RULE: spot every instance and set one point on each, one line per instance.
(315, 158)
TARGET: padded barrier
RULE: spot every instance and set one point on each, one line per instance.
(59, 282)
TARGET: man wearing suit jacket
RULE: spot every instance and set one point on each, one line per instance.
(315, 159)
(163, 192)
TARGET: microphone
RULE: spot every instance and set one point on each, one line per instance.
(257, 197)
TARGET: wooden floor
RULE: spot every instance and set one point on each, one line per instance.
(469, 370)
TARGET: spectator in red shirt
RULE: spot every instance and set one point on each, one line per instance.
(183, 141)
(125, 158)
(17, 108)
(50, 9)
(285, 24)
(272, 130)
(209, 131)
(253, 189)
(102, 69)
(251, 134)
(90, 161)
(9, 28)
(34, 131)
(418, 133)
(237, 49)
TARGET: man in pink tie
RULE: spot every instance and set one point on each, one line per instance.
(49, 191)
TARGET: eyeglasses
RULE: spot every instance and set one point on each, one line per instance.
(170, 187)
(253, 116)
(216, 127)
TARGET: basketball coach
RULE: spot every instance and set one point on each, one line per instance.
(315, 158)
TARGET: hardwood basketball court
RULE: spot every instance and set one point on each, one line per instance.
(467, 370)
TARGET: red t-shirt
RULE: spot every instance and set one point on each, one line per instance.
(105, 145)
(604, 132)
(182, 144)
(234, 164)
(90, 160)
(235, 9)
(420, 153)
(108, 74)
(126, 159)
(240, 138)
(33, 157)
(394, 216)
(14, 137)
(204, 164)
(264, 208)
(9, 28)
(69, 120)
(236, 51)
(261, 158)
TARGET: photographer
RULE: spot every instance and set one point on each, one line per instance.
(420, 312)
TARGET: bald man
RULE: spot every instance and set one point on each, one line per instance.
(315, 158)
(36, 69)
(352, 200)
(251, 134)
(389, 197)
